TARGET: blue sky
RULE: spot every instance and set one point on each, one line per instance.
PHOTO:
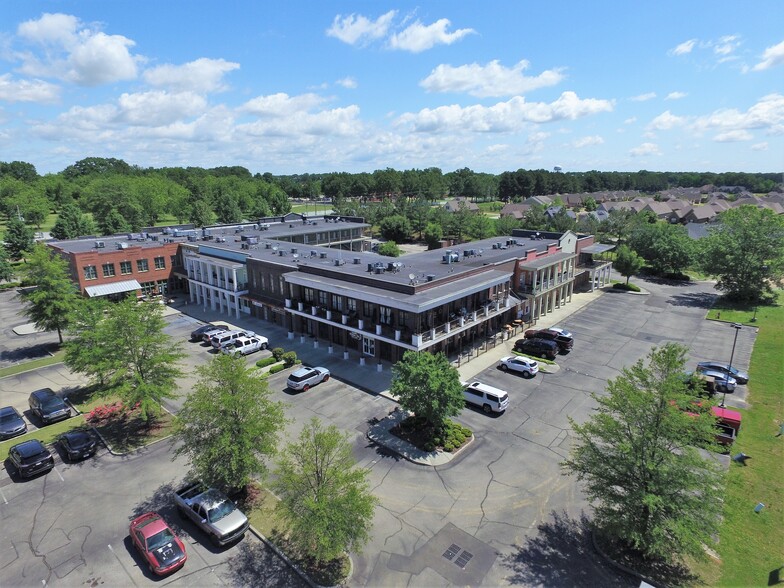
(301, 87)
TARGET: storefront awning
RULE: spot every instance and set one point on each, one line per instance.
(113, 288)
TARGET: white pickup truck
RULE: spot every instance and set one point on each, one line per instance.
(212, 511)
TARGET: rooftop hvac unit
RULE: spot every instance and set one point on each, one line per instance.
(313, 253)
(357, 260)
(244, 246)
(323, 255)
(154, 237)
(100, 244)
(218, 239)
(253, 240)
(450, 257)
(339, 262)
(430, 277)
(378, 270)
(192, 238)
(167, 230)
(293, 249)
(281, 252)
(263, 226)
(370, 267)
(122, 245)
(267, 245)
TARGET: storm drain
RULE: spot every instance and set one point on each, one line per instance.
(462, 559)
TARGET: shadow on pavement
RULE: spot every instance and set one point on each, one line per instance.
(693, 299)
(256, 565)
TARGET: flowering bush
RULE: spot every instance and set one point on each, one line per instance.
(105, 411)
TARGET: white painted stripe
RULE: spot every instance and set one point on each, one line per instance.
(59, 474)
(3, 495)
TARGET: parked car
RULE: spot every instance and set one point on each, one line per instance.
(198, 334)
(212, 511)
(11, 423)
(48, 406)
(563, 331)
(162, 550)
(225, 338)
(527, 367)
(723, 382)
(246, 345)
(77, 444)
(564, 343)
(207, 335)
(537, 347)
(30, 457)
(305, 377)
(489, 398)
(741, 377)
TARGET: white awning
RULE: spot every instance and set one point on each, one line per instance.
(113, 288)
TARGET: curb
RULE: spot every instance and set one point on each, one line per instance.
(294, 566)
(622, 567)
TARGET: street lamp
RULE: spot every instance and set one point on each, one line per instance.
(737, 328)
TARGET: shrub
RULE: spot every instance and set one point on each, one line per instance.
(449, 447)
(437, 441)
(277, 353)
(289, 358)
(266, 361)
(277, 368)
(467, 433)
(627, 287)
(429, 446)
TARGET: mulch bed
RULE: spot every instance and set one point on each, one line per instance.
(412, 431)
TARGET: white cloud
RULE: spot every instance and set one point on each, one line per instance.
(676, 95)
(488, 80)
(347, 82)
(684, 47)
(665, 121)
(630, 120)
(645, 149)
(12, 90)
(281, 104)
(643, 97)
(587, 142)
(502, 117)
(768, 113)
(726, 45)
(281, 115)
(353, 29)
(202, 75)
(772, 57)
(760, 146)
(733, 136)
(73, 52)
(158, 107)
(418, 37)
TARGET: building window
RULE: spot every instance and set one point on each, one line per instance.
(148, 288)
(125, 267)
(323, 297)
(402, 318)
(308, 293)
(351, 305)
(173, 260)
(142, 265)
(337, 302)
(163, 287)
(282, 284)
(367, 309)
(160, 263)
(369, 346)
(90, 273)
(385, 315)
(108, 270)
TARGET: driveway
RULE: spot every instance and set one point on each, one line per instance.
(16, 348)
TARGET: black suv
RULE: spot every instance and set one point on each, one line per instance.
(47, 406)
(537, 347)
(30, 458)
(564, 342)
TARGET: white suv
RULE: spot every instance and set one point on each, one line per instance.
(528, 367)
(305, 377)
(221, 340)
(245, 345)
(490, 399)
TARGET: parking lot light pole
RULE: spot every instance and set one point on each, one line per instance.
(737, 328)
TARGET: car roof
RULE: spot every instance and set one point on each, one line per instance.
(149, 524)
(8, 410)
(43, 392)
(29, 447)
(77, 434)
(302, 371)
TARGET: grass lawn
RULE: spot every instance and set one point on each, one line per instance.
(45, 434)
(751, 544)
(265, 519)
(33, 364)
(494, 206)
(744, 314)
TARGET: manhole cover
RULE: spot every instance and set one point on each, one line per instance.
(463, 559)
(451, 552)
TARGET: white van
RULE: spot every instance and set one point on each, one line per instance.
(491, 399)
(221, 340)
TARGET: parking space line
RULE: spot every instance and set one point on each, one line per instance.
(3, 495)
(122, 565)
(59, 474)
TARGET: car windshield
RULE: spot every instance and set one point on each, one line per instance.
(160, 539)
(219, 511)
(51, 402)
(8, 414)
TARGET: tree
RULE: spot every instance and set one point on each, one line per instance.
(433, 235)
(6, 269)
(19, 238)
(745, 251)
(325, 498)
(619, 223)
(481, 227)
(50, 303)
(139, 355)
(228, 424)
(85, 350)
(627, 262)
(637, 454)
(427, 385)
(395, 228)
(389, 248)
(667, 248)
(590, 204)
(72, 223)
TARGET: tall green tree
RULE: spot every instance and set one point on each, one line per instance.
(627, 262)
(52, 300)
(667, 248)
(72, 223)
(325, 497)
(745, 251)
(141, 357)
(19, 238)
(229, 425)
(637, 456)
(6, 269)
(433, 235)
(395, 228)
(389, 249)
(429, 386)
(86, 350)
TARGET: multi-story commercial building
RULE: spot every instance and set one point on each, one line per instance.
(318, 278)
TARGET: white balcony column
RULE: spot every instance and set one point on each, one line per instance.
(416, 340)
(473, 316)
(432, 334)
(361, 324)
(288, 302)
(344, 319)
(397, 334)
(314, 310)
(378, 329)
(329, 315)
(237, 306)
(300, 306)
(234, 279)
(447, 327)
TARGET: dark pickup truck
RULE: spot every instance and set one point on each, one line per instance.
(564, 342)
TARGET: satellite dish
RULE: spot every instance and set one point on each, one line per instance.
(412, 276)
